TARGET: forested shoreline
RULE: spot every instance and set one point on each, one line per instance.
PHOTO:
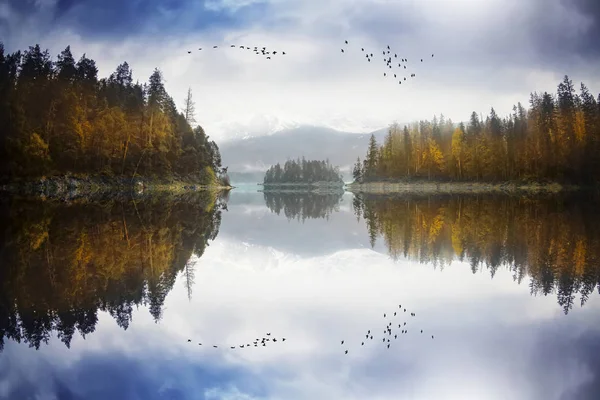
(58, 118)
(557, 139)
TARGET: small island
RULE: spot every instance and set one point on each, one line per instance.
(303, 175)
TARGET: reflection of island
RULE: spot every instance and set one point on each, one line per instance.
(60, 264)
(556, 242)
(303, 205)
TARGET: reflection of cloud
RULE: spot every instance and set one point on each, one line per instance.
(119, 375)
(493, 340)
(314, 302)
(249, 220)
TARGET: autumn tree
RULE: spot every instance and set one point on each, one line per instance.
(556, 139)
(59, 117)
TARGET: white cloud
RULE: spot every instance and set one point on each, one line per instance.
(479, 63)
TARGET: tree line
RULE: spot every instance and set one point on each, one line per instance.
(303, 171)
(61, 265)
(555, 241)
(57, 116)
(556, 139)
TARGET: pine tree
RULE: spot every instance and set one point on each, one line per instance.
(189, 108)
(370, 163)
(357, 171)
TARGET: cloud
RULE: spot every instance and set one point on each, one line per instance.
(493, 340)
(487, 53)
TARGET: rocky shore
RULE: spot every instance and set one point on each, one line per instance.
(71, 187)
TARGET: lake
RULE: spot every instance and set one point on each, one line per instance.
(127, 299)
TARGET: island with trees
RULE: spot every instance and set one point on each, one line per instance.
(62, 124)
(303, 175)
(304, 205)
(552, 145)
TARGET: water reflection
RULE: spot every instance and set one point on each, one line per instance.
(61, 264)
(554, 240)
(493, 340)
(303, 205)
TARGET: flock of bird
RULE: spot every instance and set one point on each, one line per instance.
(256, 342)
(390, 332)
(390, 59)
(257, 50)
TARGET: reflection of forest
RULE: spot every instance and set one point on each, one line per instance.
(303, 205)
(556, 242)
(60, 264)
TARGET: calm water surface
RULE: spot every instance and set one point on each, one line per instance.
(98, 301)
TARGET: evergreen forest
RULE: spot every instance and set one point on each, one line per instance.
(555, 139)
(58, 117)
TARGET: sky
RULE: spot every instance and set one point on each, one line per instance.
(493, 340)
(487, 53)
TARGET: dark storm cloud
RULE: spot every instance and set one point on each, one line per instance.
(119, 18)
(590, 40)
(532, 33)
(565, 28)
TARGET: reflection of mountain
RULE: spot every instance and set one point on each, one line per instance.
(556, 242)
(303, 205)
(250, 221)
(60, 264)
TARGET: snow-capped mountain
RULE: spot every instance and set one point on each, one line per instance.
(246, 126)
(247, 159)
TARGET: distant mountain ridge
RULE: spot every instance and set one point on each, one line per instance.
(250, 157)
